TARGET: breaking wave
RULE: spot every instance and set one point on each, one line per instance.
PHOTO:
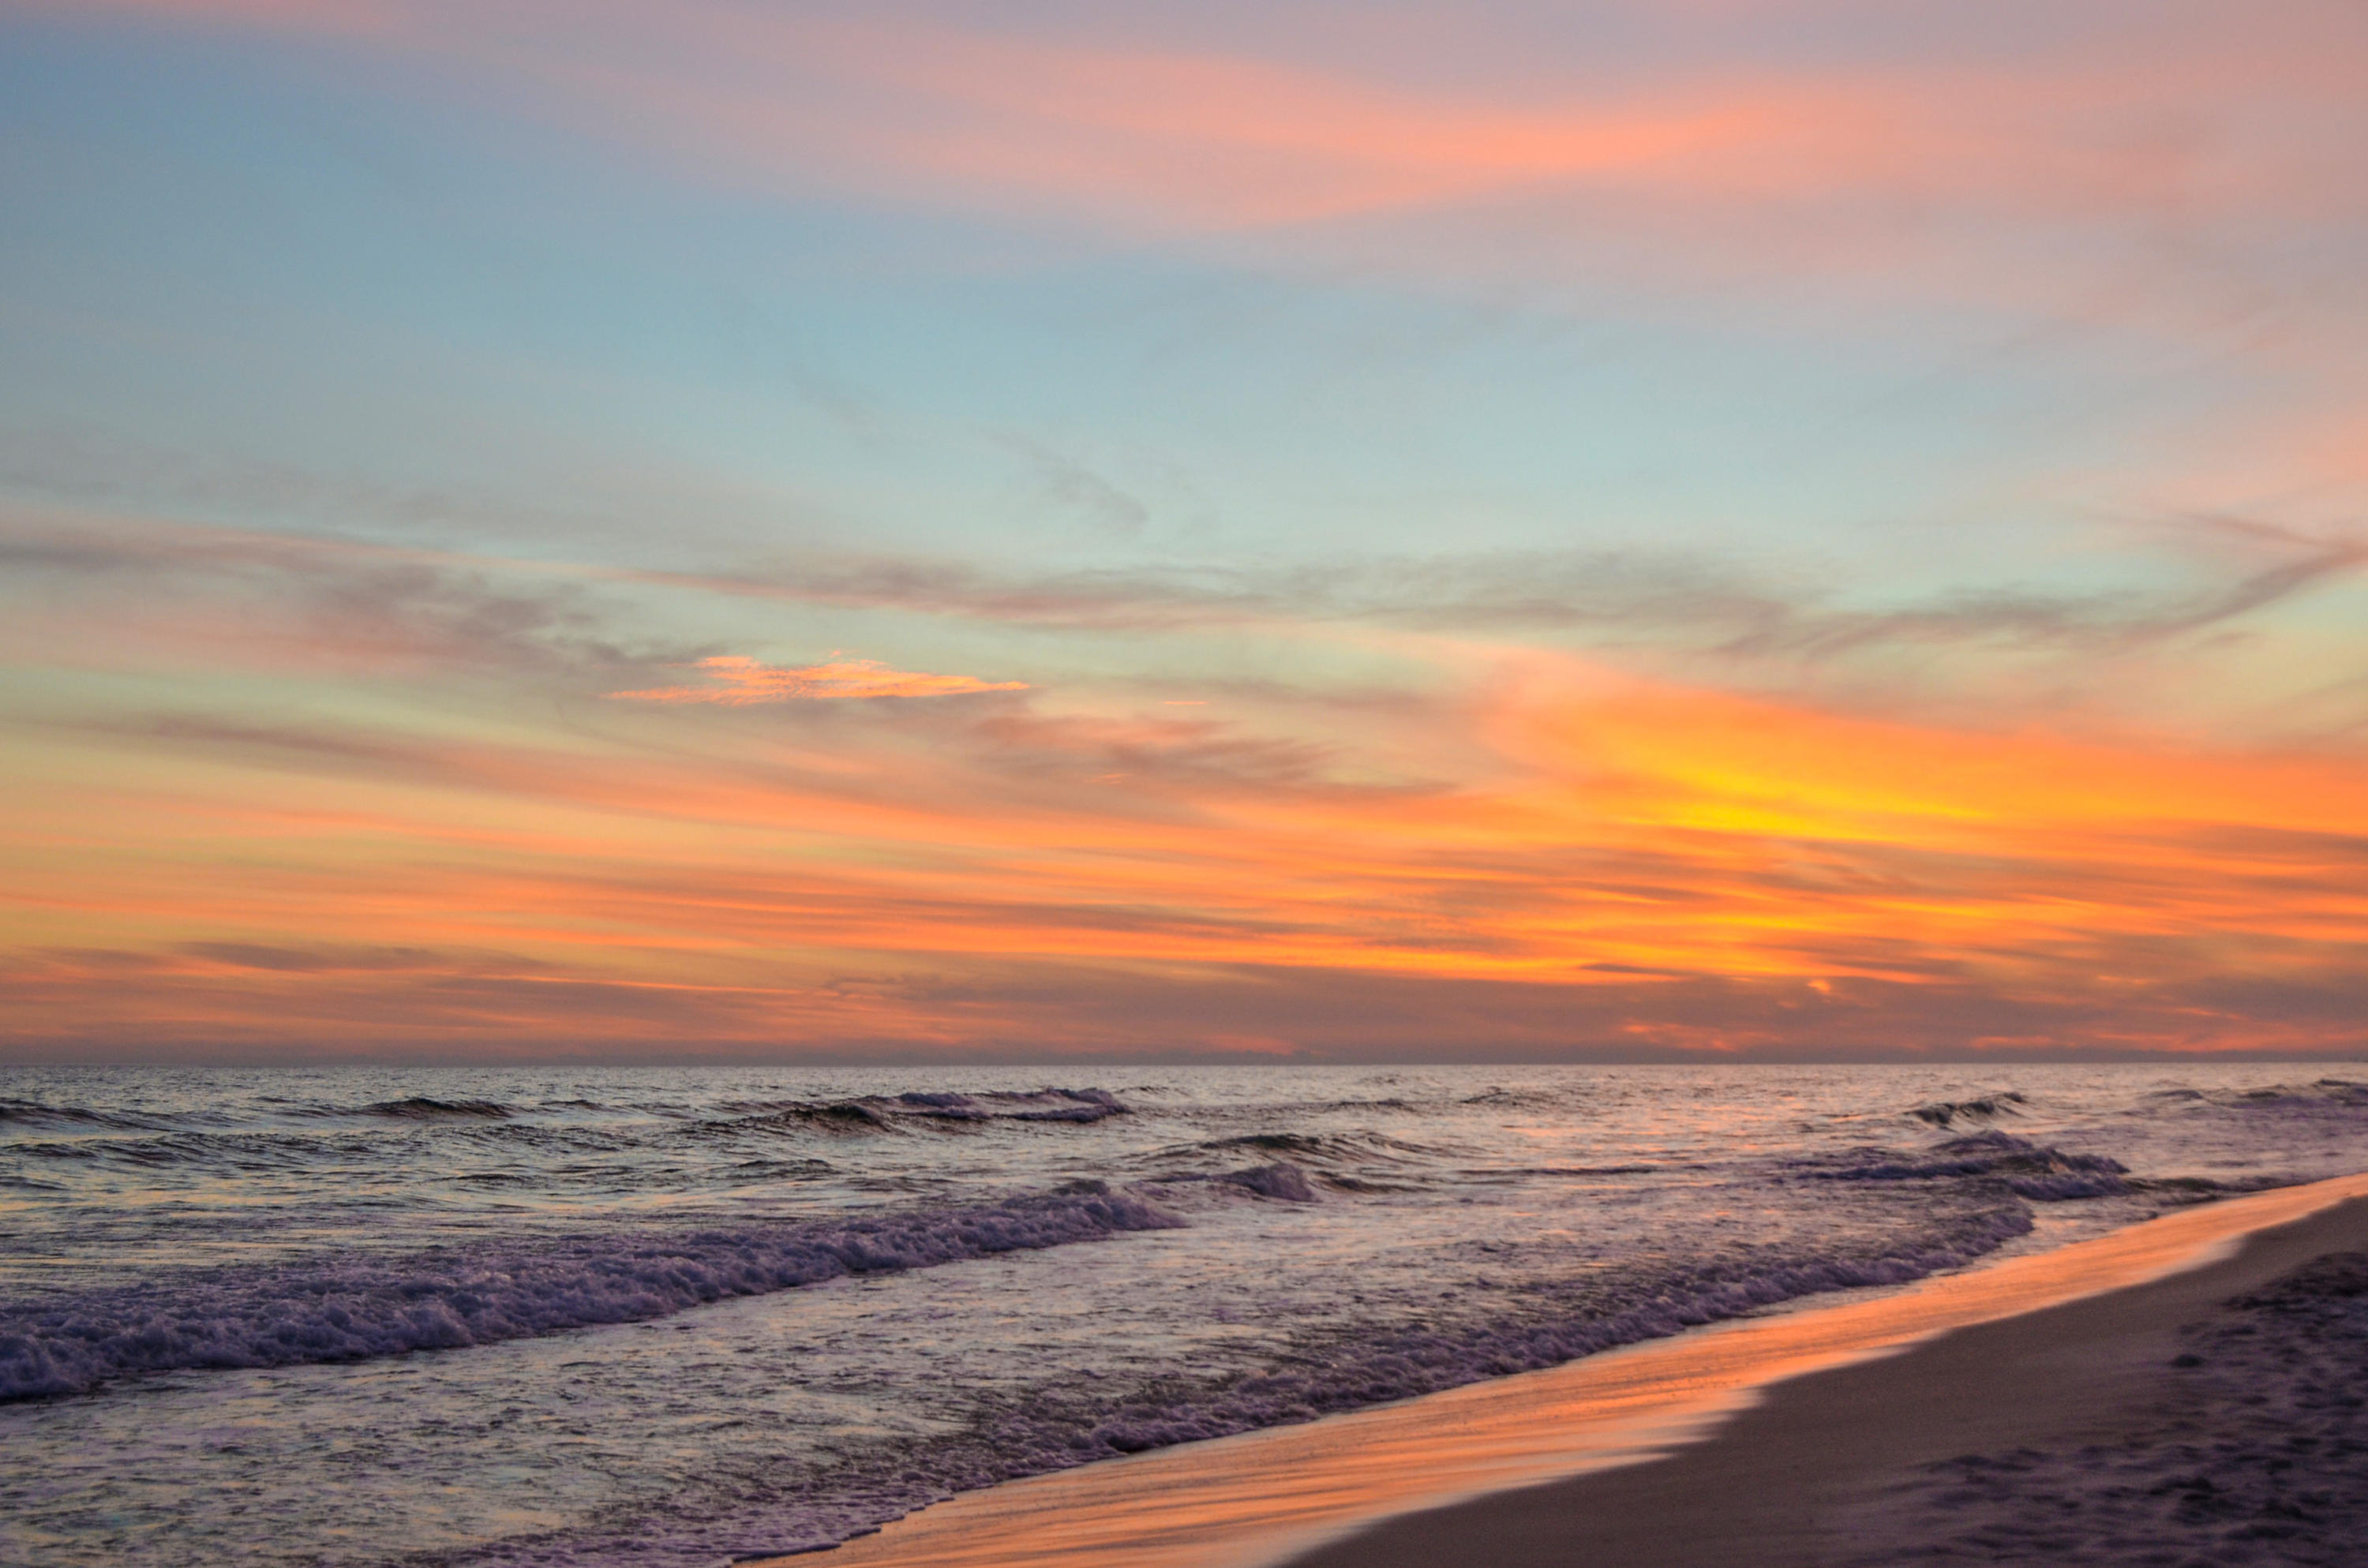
(884, 1112)
(1282, 1179)
(2344, 1093)
(421, 1108)
(1353, 1237)
(1944, 1114)
(347, 1312)
(1066, 1425)
(34, 1113)
(2027, 1169)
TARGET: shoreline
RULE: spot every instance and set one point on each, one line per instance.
(1491, 1467)
(2090, 1432)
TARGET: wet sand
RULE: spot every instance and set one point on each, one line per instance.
(1835, 1420)
(2210, 1418)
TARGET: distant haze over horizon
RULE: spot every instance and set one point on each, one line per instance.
(745, 531)
(914, 1064)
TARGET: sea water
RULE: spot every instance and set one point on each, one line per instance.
(672, 1316)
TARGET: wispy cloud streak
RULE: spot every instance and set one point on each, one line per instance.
(2149, 156)
(739, 682)
(1682, 869)
(1291, 767)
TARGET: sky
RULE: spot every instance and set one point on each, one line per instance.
(1612, 530)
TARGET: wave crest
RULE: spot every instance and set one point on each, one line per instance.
(348, 1311)
(2029, 1170)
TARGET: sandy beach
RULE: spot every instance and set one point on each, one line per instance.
(2104, 1403)
(2211, 1417)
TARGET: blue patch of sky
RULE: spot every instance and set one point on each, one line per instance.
(224, 248)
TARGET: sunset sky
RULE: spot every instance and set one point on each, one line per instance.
(810, 532)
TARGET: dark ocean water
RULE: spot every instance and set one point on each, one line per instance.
(667, 1316)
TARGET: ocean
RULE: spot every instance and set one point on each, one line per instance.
(672, 1316)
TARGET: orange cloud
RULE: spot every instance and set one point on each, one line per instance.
(743, 681)
(1567, 857)
(1663, 857)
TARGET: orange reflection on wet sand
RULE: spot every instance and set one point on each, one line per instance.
(1259, 1498)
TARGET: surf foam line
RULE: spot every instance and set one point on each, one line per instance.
(758, 1507)
(289, 1315)
(1262, 1500)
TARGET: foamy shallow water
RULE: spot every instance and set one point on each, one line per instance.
(669, 1316)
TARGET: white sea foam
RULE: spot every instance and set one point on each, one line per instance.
(663, 1317)
(339, 1311)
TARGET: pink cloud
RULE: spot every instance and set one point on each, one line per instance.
(2189, 111)
(1171, 139)
(740, 682)
(2078, 161)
